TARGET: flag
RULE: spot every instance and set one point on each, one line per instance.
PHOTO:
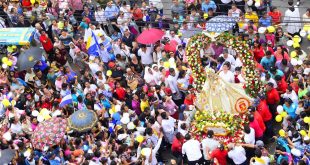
(92, 44)
(66, 100)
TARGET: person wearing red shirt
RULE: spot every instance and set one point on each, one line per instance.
(120, 91)
(282, 85)
(276, 15)
(263, 109)
(46, 43)
(176, 147)
(294, 85)
(257, 117)
(220, 154)
(258, 51)
(138, 16)
(273, 98)
(189, 99)
(254, 124)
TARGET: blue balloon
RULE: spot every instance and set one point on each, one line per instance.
(116, 116)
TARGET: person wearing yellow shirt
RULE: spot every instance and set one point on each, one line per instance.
(144, 102)
(250, 15)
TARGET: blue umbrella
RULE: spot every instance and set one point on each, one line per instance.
(82, 120)
(220, 24)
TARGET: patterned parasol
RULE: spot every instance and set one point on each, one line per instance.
(49, 132)
(220, 24)
(82, 120)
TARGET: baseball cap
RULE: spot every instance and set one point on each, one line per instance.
(259, 144)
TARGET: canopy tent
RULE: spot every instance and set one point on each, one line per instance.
(16, 36)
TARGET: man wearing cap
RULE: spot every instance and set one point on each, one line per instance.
(191, 148)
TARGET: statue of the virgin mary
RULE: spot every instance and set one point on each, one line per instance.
(219, 95)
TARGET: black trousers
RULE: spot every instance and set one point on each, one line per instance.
(196, 162)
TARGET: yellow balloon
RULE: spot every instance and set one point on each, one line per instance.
(9, 63)
(283, 114)
(296, 39)
(32, 1)
(139, 138)
(6, 102)
(46, 117)
(282, 132)
(306, 28)
(60, 24)
(303, 133)
(308, 36)
(293, 54)
(278, 118)
(307, 120)
(166, 64)
(296, 45)
(109, 73)
(205, 15)
(5, 59)
(13, 102)
(271, 29)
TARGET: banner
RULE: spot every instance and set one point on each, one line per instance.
(16, 36)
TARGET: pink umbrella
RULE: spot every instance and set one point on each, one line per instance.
(150, 36)
(171, 46)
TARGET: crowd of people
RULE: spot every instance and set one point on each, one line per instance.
(149, 84)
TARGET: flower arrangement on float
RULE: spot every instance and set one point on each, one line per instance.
(227, 127)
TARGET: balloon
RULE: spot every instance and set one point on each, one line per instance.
(60, 24)
(13, 102)
(125, 120)
(303, 133)
(296, 39)
(271, 29)
(40, 118)
(303, 33)
(205, 15)
(279, 109)
(5, 59)
(139, 138)
(35, 113)
(46, 116)
(32, 1)
(250, 2)
(283, 114)
(278, 118)
(307, 120)
(308, 36)
(9, 63)
(293, 60)
(7, 136)
(6, 102)
(293, 55)
(306, 28)
(116, 116)
(109, 73)
(299, 62)
(257, 4)
(131, 126)
(282, 132)
(262, 30)
(289, 43)
(44, 112)
(166, 64)
(296, 45)
(146, 152)
(4, 66)
(10, 49)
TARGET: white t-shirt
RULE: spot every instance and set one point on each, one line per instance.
(237, 155)
(250, 138)
(211, 144)
(146, 57)
(192, 150)
(228, 76)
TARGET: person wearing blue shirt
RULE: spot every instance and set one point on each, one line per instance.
(111, 12)
(290, 107)
(268, 61)
(274, 72)
(265, 20)
(40, 65)
(207, 5)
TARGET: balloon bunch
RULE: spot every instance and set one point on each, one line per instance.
(6, 103)
(44, 114)
(6, 62)
(305, 31)
(281, 114)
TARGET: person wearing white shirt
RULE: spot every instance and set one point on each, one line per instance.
(99, 16)
(226, 74)
(228, 57)
(146, 55)
(151, 158)
(167, 124)
(172, 81)
(249, 135)
(290, 93)
(210, 143)
(234, 11)
(191, 148)
(173, 36)
(237, 154)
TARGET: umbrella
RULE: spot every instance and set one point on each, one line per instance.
(150, 36)
(6, 156)
(191, 32)
(82, 120)
(171, 46)
(220, 24)
(49, 133)
(29, 58)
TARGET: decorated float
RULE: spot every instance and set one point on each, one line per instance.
(221, 106)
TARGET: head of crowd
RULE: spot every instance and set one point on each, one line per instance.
(94, 95)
